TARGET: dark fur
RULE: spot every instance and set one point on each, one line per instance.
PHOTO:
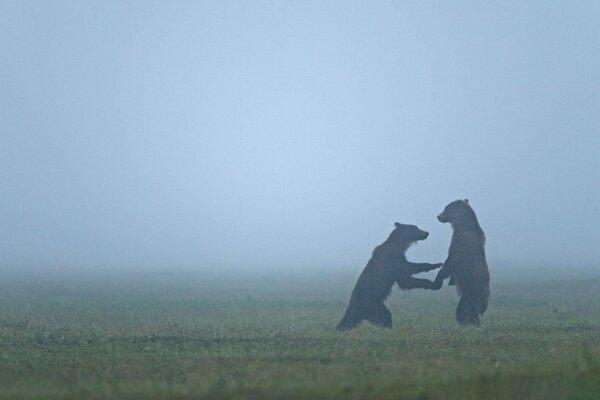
(387, 265)
(466, 264)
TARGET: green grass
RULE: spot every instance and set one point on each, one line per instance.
(194, 335)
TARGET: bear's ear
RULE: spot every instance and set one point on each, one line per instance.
(467, 201)
(397, 224)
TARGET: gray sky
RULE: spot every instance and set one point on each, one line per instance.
(292, 134)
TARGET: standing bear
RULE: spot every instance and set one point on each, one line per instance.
(387, 265)
(466, 264)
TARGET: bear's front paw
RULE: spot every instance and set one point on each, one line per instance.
(435, 266)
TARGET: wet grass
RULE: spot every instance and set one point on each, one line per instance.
(192, 335)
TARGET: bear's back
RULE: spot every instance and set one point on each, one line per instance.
(377, 278)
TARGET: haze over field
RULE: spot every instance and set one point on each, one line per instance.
(291, 135)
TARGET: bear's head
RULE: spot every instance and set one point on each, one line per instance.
(405, 235)
(454, 210)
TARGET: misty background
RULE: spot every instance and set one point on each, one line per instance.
(232, 135)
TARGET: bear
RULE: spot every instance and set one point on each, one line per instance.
(388, 265)
(466, 264)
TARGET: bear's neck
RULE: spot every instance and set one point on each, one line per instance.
(467, 222)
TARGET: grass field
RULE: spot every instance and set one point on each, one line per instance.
(197, 335)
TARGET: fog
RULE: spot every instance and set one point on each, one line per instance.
(292, 135)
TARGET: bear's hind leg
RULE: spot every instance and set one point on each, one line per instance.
(381, 316)
(348, 323)
(462, 310)
(350, 320)
(467, 311)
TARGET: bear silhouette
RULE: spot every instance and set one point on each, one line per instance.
(388, 265)
(466, 264)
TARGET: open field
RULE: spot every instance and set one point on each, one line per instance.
(196, 335)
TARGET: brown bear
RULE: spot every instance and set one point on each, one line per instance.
(387, 265)
(466, 264)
